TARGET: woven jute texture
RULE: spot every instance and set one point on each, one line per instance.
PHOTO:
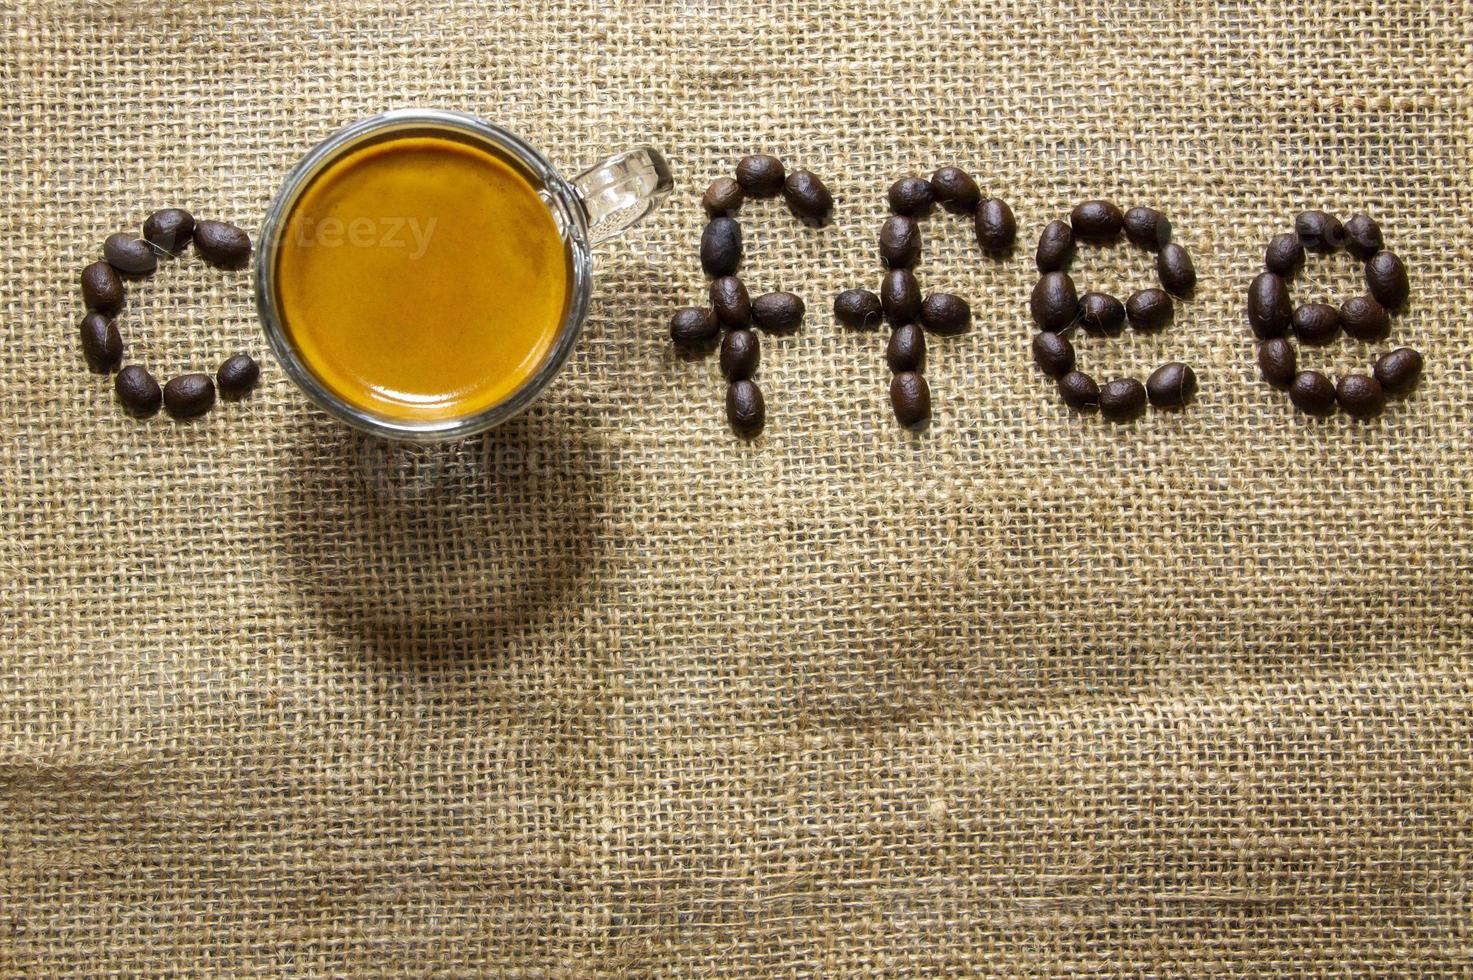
(610, 692)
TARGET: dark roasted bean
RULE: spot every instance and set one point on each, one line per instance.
(1079, 390)
(778, 312)
(910, 396)
(722, 198)
(1171, 385)
(221, 244)
(1055, 246)
(694, 326)
(808, 197)
(900, 241)
(1319, 231)
(911, 196)
(1386, 277)
(730, 301)
(900, 294)
(955, 190)
(1149, 309)
(137, 390)
(102, 345)
(129, 255)
(1053, 353)
(746, 409)
(944, 313)
(906, 350)
(1316, 323)
(1363, 236)
(1398, 371)
(1101, 313)
(237, 375)
(1175, 269)
(1054, 303)
(1122, 399)
(1364, 318)
(1277, 362)
(740, 353)
(189, 394)
(996, 227)
(1312, 392)
(1284, 255)
(1269, 309)
(760, 175)
(1360, 395)
(721, 247)
(1096, 221)
(1147, 227)
(169, 229)
(858, 308)
(102, 290)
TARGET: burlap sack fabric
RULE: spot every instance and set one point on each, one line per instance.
(611, 693)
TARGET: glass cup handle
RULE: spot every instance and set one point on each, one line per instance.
(618, 192)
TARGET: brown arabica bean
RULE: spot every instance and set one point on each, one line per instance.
(808, 197)
(778, 312)
(760, 174)
(1175, 269)
(189, 395)
(1316, 323)
(1364, 318)
(1101, 313)
(237, 375)
(995, 225)
(1171, 385)
(1398, 371)
(721, 247)
(102, 345)
(900, 241)
(694, 326)
(1319, 231)
(1122, 399)
(955, 190)
(943, 313)
(1277, 362)
(746, 409)
(858, 308)
(900, 294)
(910, 396)
(1053, 353)
(170, 229)
(1312, 392)
(102, 290)
(221, 244)
(741, 351)
(1360, 395)
(1284, 255)
(129, 255)
(137, 390)
(1146, 227)
(722, 198)
(1149, 309)
(731, 302)
(1055, 246)
(1363, 236)
(1054, 303)
(906, 350)
(1079, 390)
(1269, 309)
(1386, 278)
(911, 196)
(1096, 221)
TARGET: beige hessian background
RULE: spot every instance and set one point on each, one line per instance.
(610, 693)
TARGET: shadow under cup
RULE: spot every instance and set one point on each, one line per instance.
(424, 274)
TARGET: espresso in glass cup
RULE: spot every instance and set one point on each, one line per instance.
(423, 274)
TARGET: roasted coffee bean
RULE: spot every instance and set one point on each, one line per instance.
(1054, 353)
(721, 247)
(137, 390)
(1171, 385)
(1363, 236)
(900, 241)
(1277, 362)
(1284, 255)
(740, 353)
(1319, 231)
(1386, 277)
(1398, 371)
(1149, 309)
(1054, 303)
(102, 290)
(1096, 221)
(910, 396)
(808, 197)
(1312, 392)
(1316, 323)
(1079, 390)
(188, 395)
(900, 294)
(102, 345)
(1175, 269)
(1360, 395)
(1101, 313)
(694, 326)
(943, 313)
(1147, 227)
(1269, 309)
(221, 244)
(1122, 399)
(911, 196)
(778, 312)
(1055, 247)
(1364, 318)
(169, 229)
(722, 198)
(955, 190)
(237, 375)
(129, 255)
(746, 409)
(906, 350)
(760, 175)
(996, 227)
(730, 301)
(858, 308)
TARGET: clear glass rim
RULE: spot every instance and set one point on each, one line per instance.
(570, 214)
